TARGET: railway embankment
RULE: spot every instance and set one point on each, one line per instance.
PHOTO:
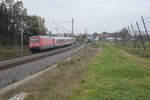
(101, 72)
(10, 52)
(19, 72)
(68, 69)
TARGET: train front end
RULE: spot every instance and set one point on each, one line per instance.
(34, 44)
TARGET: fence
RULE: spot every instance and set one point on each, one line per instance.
(136, 37)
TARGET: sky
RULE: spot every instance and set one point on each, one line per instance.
(95, 15)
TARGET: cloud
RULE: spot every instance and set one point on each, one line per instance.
(96, 15)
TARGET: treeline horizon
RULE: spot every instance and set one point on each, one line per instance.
(15, 19)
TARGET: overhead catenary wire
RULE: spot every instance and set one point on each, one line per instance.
(36, 9)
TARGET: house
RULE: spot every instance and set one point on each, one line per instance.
(110, 36)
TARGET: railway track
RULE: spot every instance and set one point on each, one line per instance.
(27, 59)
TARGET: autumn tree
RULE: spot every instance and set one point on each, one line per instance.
(13, 18)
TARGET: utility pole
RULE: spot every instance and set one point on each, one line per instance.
(135, 36)
(72, 36)
(85, 30)
(131, 37)
(122, 39)
(56, 26)
(22, 48)
(128, 39)
(130, 33)
(72, 27)
(140, 35)
(57, 29)
(145, 28)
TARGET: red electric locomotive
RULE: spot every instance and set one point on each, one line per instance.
(40, 43)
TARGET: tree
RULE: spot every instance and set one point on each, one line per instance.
(4, 23)
(37, 25)
(95, 34)
(104, 32)
(13, 18)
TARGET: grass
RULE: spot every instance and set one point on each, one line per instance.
(59, 83)
(114, 75)
(136, 51)
(8, 52)
(109, 73)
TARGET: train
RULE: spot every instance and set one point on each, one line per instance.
(41, 43)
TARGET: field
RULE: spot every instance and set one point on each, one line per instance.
(101, 72)
(136, 50)
(115, 75)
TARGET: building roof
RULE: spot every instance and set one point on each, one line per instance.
(104, 36)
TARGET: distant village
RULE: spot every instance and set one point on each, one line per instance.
(108, 37)
(105, 36)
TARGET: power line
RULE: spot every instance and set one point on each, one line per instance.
(61, 26)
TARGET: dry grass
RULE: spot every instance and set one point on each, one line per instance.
(9, 52)
(59, 83)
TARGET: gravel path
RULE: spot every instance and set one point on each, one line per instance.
(11, 75)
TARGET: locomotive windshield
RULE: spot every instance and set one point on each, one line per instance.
(34, 40)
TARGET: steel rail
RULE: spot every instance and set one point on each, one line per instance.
(28, 60)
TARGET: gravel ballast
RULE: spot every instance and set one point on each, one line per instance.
(17, 73)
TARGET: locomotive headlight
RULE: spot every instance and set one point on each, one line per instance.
(31, 45)
(37, 44)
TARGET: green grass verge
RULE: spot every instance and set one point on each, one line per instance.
(12, 52)
(136, 51)
(114, 76)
